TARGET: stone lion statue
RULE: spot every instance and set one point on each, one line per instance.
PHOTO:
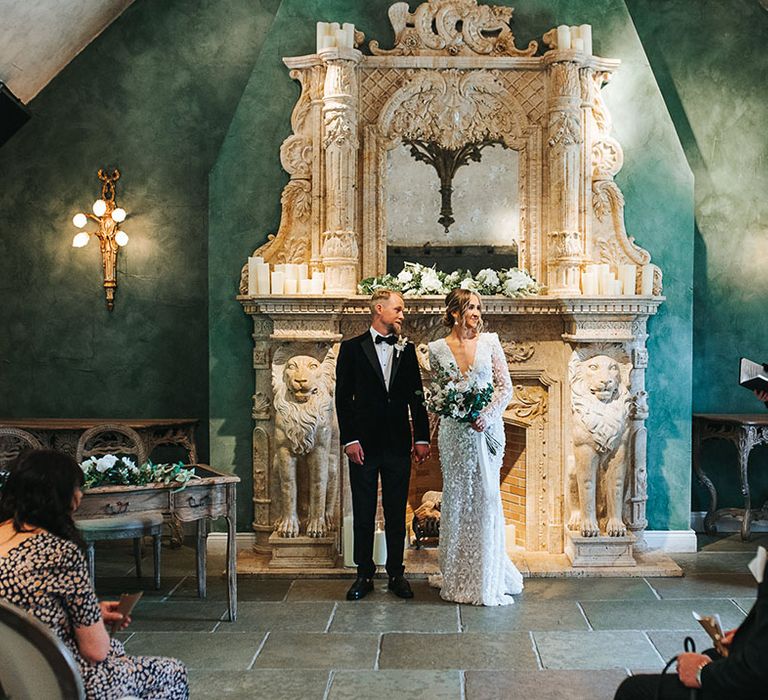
(600, 404)
(306, 432)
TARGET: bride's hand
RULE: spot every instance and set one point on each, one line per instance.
(478, 424)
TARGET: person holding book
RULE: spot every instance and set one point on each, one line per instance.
(739, 673)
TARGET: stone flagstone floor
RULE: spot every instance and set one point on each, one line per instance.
(564, 638)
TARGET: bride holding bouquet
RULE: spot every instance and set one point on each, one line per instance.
(470, 391)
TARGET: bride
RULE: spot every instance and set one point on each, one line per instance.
(473, 559)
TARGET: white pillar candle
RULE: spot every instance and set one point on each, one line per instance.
(321, 32)
(262, 278)
(278, 283)
(646, 280)
(252, 277)
(305, 286)
(563, 37)
(585, 32)
(589, 282)
(303, 269)
(578, 44)
(348, 541)
(327, 42)
(280, 267)
(316, 285)
(628, 274)
(349, 35)
(334, 29)
(291, 271)
(290, 285)
(379, 548)
(602, 278)
(618, 287)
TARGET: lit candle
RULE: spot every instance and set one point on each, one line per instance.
(278, 283)
(563, 37)
(628, 274)
(290, 286)
(379, 548)
(585, 32)
(646, 280)
(262, 278)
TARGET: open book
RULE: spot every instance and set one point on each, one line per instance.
(752, 375)
(714, 628)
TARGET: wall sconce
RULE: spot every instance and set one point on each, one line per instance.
(108, 217)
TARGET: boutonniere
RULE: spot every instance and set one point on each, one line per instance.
(402, 341)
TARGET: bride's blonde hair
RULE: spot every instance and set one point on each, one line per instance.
(457, 301)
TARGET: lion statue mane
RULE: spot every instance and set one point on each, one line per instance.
(305, 434)
(600, 406)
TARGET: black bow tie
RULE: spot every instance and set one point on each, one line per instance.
(388, 339)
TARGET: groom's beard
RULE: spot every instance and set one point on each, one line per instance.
(394, 328)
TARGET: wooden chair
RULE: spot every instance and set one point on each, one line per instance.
(110, 438)
(35, 662)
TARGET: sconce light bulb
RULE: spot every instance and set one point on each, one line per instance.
(80, 239)
(121, 238)
(79, 220)
(118, 215)
(99, 207)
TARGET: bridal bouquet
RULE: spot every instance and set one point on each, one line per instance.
(111, 470)
(460, 397)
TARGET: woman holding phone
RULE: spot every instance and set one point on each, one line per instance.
(44, 571)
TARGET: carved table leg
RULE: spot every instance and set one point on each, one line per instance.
(231, 567)
(746, 442)
(709, 518)
(201, 557)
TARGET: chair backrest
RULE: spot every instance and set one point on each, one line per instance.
(14, 441)
(35, 663)
(110, 438)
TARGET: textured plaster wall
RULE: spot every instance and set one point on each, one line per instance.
(710, 61)
(247, 179)
(153, 95)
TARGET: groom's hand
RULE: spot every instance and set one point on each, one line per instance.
(355, 452)
(421, 452)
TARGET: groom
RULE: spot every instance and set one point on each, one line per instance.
(377, 382)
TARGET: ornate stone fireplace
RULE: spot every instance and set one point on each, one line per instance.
(456, 77)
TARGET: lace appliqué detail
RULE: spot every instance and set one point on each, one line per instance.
(473, 559)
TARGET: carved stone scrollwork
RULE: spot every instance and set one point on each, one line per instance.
(340, 256)
(529, 402)
(452, 28)
(518, 352)
(260, 406)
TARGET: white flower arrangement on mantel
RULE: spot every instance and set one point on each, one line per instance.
(416, 280)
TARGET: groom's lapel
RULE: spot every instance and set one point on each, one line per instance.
(395, 364)
(370, 353)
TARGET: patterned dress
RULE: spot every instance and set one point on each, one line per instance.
(48, 577)
(473, 559)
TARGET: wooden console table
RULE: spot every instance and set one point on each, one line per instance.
(213, 495)
(62, 434)
(745, 431)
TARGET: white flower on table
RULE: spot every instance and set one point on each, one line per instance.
(105, 463)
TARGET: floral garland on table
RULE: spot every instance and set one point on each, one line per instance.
(416, 280)
(111, 470)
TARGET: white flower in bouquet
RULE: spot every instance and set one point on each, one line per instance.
(469, 283)
(517, 281)
(430, 282)
(105, 463)
(405, 276)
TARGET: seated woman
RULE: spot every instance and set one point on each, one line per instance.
(44, 571)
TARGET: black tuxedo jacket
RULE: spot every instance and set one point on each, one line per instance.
(744, 672)
(367, 411)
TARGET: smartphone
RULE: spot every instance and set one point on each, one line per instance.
(125, 605)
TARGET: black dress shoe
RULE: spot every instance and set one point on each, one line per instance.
(360, 588)
(400, 587)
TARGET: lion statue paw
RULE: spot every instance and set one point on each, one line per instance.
(589, 528)
(288, 526)
(316, 527)
(615, 528)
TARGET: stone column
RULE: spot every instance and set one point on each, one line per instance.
(565, 242)
(340, 250)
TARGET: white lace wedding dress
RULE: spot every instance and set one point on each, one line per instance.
(473, 559)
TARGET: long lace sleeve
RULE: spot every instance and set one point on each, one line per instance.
(502, 383)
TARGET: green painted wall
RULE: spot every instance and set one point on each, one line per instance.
(153, 95)
(710, 61)
(247, 179)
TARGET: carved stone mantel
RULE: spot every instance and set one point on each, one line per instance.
(539, 334)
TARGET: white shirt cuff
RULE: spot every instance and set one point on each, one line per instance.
(351, 443)
(421, 442)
